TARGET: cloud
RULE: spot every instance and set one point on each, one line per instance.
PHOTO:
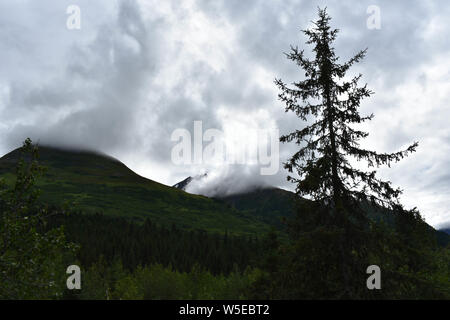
(138, 70)
(94, 101)
(228, 180)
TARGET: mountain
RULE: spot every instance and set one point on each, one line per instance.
(182, 185)
(274, 205)
(447, 231)
(271, 205)
(98, 183)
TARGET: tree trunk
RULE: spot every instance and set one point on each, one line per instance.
(339, 214)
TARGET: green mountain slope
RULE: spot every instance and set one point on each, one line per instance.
(274, 205)
(99, 183)
(271, 205)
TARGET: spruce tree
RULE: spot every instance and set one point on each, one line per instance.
(329, 103)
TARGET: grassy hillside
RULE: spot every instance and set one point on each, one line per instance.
(98, 183)
(271, 205)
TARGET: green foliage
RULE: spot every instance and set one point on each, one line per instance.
(157, 282)
(309, 268)
(31, 261)
(271, 205)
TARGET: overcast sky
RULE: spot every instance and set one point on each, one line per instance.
(137, 70)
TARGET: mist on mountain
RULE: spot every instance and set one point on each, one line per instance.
(229, 180)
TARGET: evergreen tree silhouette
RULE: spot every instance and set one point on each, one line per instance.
(322, 164)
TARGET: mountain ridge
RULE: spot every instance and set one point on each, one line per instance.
(99, 183)
(274, 206)
(96, 182)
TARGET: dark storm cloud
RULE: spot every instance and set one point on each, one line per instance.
(138, 70)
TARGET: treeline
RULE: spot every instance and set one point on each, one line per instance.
(143, 244)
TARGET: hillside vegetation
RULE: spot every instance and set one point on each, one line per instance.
(96, 183)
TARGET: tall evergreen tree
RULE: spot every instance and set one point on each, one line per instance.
(324, 171)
